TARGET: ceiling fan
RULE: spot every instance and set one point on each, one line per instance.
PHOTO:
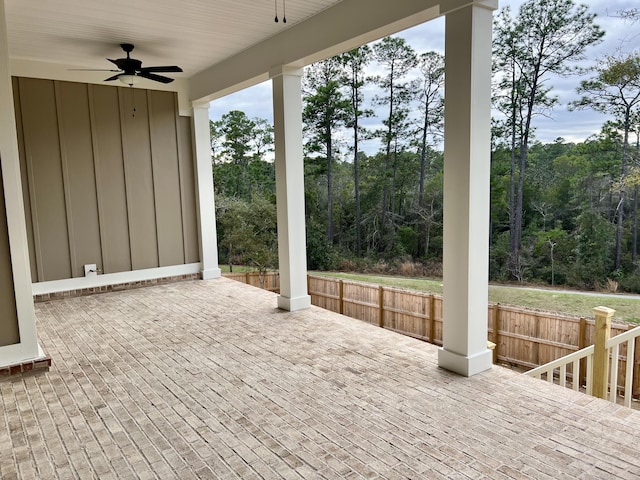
(130, 70)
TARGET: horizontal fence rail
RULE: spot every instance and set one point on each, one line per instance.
(523, 338)
(267, 281)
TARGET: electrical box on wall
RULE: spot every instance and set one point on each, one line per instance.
(90, 270)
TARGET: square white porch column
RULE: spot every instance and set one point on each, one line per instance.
(292, 249)
(466, 190)
(27, 348)
(205, 195)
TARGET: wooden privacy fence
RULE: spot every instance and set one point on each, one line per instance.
(267, 281)
(524, 338)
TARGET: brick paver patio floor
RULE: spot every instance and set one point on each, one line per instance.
(207, 379)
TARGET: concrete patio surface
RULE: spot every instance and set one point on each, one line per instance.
(207, 379)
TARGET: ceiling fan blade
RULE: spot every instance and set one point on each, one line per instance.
(92, 70)
(120, 63)
(115, 77)
(172, 68)
(157, 78)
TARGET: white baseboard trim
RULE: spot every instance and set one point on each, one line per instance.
(95, 281)
(18, 354)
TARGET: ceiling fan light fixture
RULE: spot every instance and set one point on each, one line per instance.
(129, 80)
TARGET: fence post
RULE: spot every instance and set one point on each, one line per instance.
(423, 323)
(536, 344)
(341, 305)
(432, 318)
(496, 335)
(582, 343)
(600, 379)
(381, 305)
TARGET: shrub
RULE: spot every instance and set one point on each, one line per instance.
(410, 269)
(630, 283)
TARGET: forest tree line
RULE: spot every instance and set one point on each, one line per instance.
(561, 213)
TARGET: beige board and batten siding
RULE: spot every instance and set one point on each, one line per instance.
(109, 178)
(188, 184)
(9, 329)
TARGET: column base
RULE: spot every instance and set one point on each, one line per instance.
(40, 363)
(294, 304)
(211, 273)
(466, 366)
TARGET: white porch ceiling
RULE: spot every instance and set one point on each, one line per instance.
(193, 34)
(222, 45)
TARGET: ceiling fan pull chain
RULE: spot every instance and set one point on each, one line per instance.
(284, 11)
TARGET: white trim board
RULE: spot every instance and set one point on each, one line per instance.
(41, 288)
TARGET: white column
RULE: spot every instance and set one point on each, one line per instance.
(205, 197)
(28, 348)
(466, 190)
(292, 249)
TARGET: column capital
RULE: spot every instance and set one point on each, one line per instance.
(200, 105)
(488, 4)
(282, 70)
(461, 5)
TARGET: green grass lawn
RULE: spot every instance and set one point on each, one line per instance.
(627, 308)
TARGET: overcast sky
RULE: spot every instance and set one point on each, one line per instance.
(572, 126)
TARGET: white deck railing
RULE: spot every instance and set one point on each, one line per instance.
(611, 347)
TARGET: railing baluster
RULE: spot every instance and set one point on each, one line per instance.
(563, 376)
(628, 381)
(613, 391)
(576, 375)
(550, 375)
(590, 374)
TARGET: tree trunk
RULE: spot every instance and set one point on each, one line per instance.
(634, 247)
(519, 213)
(385, 176)
(524, 151)
(620, 220)
(512, 197)
(356, 186)
(514, 245)
(634, 253)
(329, 184)
(620, 211)
(423, 170)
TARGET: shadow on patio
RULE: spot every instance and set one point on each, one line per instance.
(207, 379)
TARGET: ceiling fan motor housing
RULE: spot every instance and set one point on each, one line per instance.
(132, 67)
